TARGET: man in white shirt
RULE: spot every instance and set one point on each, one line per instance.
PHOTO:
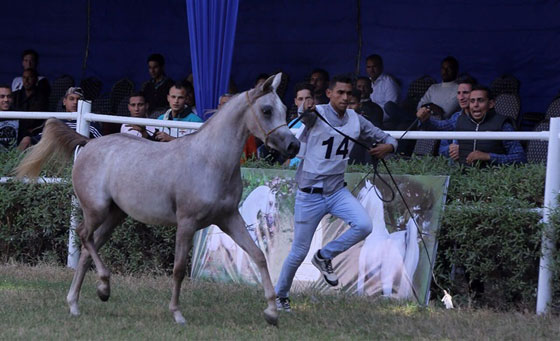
(138, 107)
(30, 60)
(442, 97)
(384, 87)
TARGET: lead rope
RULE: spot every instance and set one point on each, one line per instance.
(447, 299)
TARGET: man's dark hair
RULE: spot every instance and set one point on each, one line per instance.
(374, 57)
(158, 58)
(31, 52)
(340, 79)
(33, 72)
(323, 73)
(5, 86)
(187, 85)
(137, 94)
(363, 78)
(261, 76)
(479, 87)
(356, 93)
(182, 85)
(453, 61)
(303, 86)
(466, 79)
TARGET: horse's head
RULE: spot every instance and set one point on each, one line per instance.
(266, 118)
(371, 199)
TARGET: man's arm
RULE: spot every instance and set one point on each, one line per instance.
(441, 125)
(308, 117)
(514, 151)
(371, 134)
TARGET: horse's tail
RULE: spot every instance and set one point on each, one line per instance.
(57, 142)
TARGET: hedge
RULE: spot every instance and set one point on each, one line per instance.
(489, 242)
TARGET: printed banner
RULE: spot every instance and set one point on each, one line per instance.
(395, 260)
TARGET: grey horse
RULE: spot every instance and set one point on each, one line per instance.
(191, 182)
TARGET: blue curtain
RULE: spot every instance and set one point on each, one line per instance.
(212, 33)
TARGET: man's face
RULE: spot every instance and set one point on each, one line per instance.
(364, 87)
(479, 104)
(29, 80)
(463, 93)
(71, 102)
(137, 106)
(448, 72)
(374, 68)
(223, 100)
(5, 99)
(318, 81)
(339, 96)
(176, 99)
(155, 69)
(29, 62)
(353, 103)
(304, 97)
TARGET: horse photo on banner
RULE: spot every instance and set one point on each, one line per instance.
(395, 260)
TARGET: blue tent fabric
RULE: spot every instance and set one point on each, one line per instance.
(489, 38)
(212, 26)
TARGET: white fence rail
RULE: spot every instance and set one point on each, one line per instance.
(552, 181)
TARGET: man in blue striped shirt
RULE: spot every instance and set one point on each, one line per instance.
(480, 116)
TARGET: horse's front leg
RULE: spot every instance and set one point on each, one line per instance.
(234, 226)
(183, 243)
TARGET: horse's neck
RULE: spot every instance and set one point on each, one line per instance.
(225, 134)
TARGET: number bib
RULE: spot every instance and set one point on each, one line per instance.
(327, 151)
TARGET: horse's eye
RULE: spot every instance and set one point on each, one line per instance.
(266, 110)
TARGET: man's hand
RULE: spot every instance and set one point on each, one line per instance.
(423, 114)
(454, 151)
(308, 104)
(163, 137)
(477, 155)
(381, 150)
(140, 129)
(435, 109)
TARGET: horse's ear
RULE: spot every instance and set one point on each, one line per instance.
(272, 83)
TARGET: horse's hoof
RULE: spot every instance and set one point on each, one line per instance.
(179, 318)
(271, 316)
(103, 291)
(74, 311)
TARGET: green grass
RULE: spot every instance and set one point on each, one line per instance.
(33, 306)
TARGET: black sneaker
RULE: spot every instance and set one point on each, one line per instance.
(283, 303)
(325, 266)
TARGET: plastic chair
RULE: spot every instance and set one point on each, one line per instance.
(508, 105)
(58, 90)
(91, 87)
(537, 151)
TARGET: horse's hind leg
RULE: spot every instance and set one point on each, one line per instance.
(100, 237)
(183, 243)
(234, 226)
(77, 280)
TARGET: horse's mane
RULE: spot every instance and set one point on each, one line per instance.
(253, 95)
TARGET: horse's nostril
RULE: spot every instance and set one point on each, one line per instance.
(293, 148)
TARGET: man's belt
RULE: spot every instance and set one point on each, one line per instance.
(312, 190)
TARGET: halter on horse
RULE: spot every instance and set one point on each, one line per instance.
(191, 182)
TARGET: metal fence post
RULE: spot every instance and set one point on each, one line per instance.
(82, 127)
(551, 191)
